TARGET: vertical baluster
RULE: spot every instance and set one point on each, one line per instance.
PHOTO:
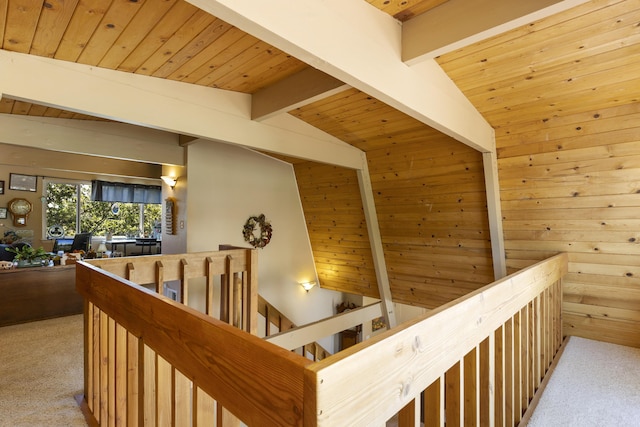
(130, 272)
(159, 277)
(182, 405)
(135, 378)
(499, 377)
(543, 334)
(204, 408)
(509, 373)
(560, 325)
(104, 370)
(120, 375)
(111, 368)
(531, 353)
(433, 402)
(89, 344)
(184, 282)
(453, 396)
(487, 381)
(164, 392)
(97, 361)
(409, 416)
(517, 369)
(252, 291)
(209, 286)
(237, 302)
(150, 386)
(471, 391)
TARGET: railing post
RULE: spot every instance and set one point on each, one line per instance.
(159, 276)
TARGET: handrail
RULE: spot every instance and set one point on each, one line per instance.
(373, 380)
(273, 316)
(506, 335)
(215, 355)
(298, 336)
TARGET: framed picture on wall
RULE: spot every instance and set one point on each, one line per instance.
(23, 182)
(1, 187)
(3, 213)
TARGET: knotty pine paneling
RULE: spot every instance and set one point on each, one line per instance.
(431, 205)
(429, 196)
(562, 95)
(337, 228)
(583, 199)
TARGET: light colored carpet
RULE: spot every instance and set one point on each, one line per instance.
(594, 384)
(41, 369)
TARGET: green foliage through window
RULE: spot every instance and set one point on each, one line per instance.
(97, 217)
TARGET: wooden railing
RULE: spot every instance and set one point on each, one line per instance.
(477, 361)
(298, 336)
(275, 319)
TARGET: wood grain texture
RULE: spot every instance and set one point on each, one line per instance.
(566, 112)
(560, 92)
(430, 201)
(420, 352)
(581, 199)
(31, 294)
(198, 346)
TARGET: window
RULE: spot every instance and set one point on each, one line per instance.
(70, 208)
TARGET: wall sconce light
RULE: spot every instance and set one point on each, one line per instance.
(307, 285)
(170, 181)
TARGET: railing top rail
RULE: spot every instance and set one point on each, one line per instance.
(175, 266)
(395, 366)
(222, 360)
(300, 335)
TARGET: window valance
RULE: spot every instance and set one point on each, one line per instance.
(102, 191)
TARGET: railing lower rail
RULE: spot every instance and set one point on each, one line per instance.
(476, 361)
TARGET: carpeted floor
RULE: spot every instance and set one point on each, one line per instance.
(41, 369)
(594, 384)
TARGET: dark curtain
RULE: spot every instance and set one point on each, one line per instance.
(102, 191)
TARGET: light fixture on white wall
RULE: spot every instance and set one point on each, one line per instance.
(307, 285)
(169, 180)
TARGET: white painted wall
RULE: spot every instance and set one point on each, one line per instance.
(175, 243)
(232, 184)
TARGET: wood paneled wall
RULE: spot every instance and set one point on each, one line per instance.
(430, 200)
(431, 205)
(572, 184)
(337, 228)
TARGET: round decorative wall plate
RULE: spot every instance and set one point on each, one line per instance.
(20, 209)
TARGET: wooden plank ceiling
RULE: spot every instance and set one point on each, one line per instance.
(429, 189)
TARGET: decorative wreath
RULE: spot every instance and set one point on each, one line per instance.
(263, 238)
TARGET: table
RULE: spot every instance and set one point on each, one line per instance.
(38, 293)
(144, 242)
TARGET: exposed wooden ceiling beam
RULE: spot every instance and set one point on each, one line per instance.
(458, 23)
(302, 88)
(58, 161)
(361, 46)
(167, 105)
(92, 138)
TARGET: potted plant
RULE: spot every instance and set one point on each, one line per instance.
(28, 256)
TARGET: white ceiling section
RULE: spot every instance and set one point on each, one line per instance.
(93, 138)
(167, 105)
